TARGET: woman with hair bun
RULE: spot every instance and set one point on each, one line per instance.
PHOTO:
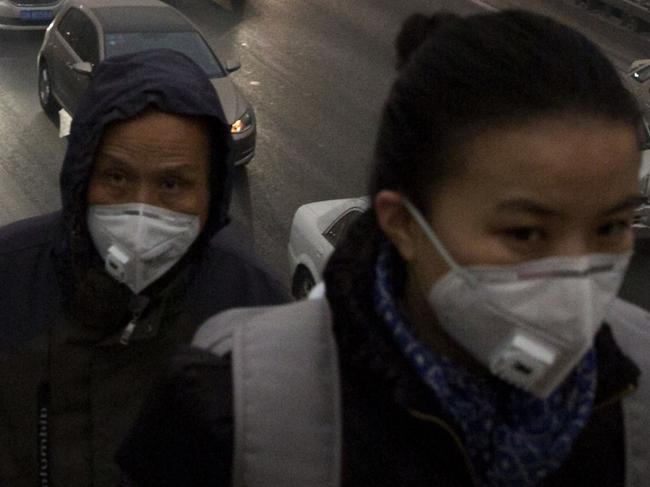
(461, 339)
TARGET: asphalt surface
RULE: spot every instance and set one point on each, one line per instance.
(316, 71)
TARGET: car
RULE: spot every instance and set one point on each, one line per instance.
(27, 14)
(642, 212)
(637, 81)
(642, 215)
(644, 141)
(85, 32)
(315, 230)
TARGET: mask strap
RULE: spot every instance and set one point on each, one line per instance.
(433, 238)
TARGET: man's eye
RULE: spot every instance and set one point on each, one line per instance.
(615, 228)
(172, 183)
(525, 234)
(115, 177)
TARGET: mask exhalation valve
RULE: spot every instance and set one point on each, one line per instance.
(522, 361)
(116, 262)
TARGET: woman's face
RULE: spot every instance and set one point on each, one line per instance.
(555, 186)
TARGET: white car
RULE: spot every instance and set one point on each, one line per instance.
(315, 231)
(637, 81)
(27, 14)
(644, 171)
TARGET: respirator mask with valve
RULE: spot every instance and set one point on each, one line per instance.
(529, 324)
(139, 243)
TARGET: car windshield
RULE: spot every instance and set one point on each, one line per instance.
(189, 43)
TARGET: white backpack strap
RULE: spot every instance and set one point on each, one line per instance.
(631, 327)
(288, 426)
(215, 335)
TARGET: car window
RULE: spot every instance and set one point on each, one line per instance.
(88, 45)
(69, 27)
(189, 43)
(79, 31)
(334, 233)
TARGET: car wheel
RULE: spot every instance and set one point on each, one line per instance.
(303, 281)
(49, 104)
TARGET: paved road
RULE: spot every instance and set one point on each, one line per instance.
(315, 70)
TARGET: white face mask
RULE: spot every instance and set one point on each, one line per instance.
(140, 243)
(530, 323)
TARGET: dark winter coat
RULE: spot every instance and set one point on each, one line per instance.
(394, 431)
(69, 390)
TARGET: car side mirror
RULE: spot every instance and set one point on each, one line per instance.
(232, 65)
(83, 68)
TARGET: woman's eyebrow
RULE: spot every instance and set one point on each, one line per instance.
(626, 204)
(523, 205)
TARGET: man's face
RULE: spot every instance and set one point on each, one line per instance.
(157, 158)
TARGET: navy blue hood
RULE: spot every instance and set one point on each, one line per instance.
(121, 88)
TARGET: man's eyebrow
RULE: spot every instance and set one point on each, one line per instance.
(167, 167)
(523, 205)
(108, 158)
(181, 166)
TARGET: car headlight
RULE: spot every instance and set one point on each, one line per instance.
(244, 123)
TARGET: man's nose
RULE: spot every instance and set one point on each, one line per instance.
(144, 193)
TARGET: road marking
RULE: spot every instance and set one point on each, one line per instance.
(484, 5)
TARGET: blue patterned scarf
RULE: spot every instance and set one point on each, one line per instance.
(513, 438)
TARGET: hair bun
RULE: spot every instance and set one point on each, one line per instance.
(415, 30)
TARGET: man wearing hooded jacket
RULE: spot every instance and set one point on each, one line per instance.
(96, 297)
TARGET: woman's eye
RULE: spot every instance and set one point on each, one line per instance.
(525, 234)
(615, 228)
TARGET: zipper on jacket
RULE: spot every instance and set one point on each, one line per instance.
(442, 424)
(128, 331)
(43, 446)
(136, 306)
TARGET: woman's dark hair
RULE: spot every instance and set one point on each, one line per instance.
(458, 76)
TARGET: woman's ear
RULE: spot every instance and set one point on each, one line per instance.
(396, 222)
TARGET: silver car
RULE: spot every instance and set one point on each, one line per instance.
(27, 14)
(87, 31)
